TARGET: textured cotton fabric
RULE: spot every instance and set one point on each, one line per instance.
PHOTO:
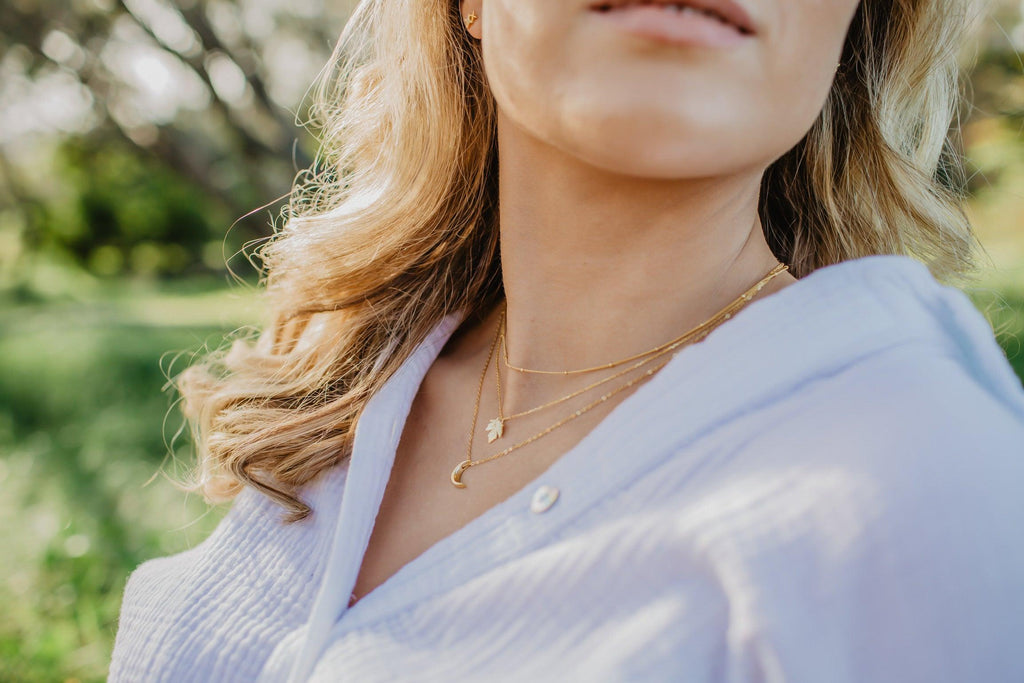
(829, 488)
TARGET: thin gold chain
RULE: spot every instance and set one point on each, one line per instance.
(480, 391)
(639, 364)
(701, 331)
(745, 296)
(574, 415)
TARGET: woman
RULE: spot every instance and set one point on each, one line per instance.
(607, 342)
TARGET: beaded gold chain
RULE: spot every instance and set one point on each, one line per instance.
(496, 426)
(698, 333)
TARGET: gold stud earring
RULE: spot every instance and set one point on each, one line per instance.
(471, 19)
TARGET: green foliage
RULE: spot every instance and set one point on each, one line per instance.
(123, 211)
(81, 430)
(1005, 312)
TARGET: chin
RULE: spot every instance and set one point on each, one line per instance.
(644, 151)
(657, 139)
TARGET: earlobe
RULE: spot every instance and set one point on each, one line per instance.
(470, 17)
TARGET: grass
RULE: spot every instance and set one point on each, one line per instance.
(81, 429)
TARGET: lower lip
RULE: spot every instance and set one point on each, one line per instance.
(674, 28)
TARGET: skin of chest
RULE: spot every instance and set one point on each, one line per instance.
(420, 505)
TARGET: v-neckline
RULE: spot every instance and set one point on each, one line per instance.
(820, 303)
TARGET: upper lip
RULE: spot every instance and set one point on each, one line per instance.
(728, 10)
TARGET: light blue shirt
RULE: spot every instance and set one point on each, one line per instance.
(826, 489)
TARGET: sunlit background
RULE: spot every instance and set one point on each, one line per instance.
(143, 143)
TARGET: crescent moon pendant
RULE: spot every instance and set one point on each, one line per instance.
(457, 473)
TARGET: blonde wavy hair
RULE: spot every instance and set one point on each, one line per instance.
(396, 225)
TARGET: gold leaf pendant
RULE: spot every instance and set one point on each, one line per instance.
(495, 428)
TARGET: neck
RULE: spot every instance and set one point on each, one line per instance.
(598, 266)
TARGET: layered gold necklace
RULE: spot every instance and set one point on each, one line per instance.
(496, 426)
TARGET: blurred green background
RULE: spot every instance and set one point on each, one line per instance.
(143, 145)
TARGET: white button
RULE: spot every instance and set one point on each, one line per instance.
(543, 498)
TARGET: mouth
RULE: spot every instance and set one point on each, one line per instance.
(725, 14)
